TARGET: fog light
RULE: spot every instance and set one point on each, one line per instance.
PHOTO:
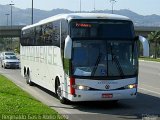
(81, 87)
(131, 86)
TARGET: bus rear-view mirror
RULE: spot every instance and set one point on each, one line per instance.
(145, 45)
(68, 48)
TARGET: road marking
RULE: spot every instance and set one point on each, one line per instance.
(150, 91)
(149, 61)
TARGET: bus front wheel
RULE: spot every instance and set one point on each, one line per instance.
(59, 92)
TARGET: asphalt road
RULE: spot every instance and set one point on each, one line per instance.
(146, 105)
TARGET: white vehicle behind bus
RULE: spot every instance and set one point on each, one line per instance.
(83, 56)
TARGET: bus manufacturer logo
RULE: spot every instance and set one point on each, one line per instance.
(107, 86)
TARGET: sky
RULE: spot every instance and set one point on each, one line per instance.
(143, 7)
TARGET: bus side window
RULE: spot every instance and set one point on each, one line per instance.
(47, 32)
(26, 38)
(64, 32)
(56, 33)
(38, 35)
(31, 37)
(23, 38)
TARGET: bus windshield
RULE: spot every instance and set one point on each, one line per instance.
(103, 48)
(104, 58)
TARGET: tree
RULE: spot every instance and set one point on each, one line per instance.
(154, 37)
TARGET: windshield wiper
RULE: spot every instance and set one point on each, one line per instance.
(118, 66)
(114, 58)
(96, 64)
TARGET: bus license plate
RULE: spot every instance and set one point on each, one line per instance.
(107, 95)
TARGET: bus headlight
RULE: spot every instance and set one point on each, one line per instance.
(131, 86)
(81, 87)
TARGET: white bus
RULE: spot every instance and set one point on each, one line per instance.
(82, 56)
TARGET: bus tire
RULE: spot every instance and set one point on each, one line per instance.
(28, 78)
(24, 71)
(4, 66)
(58, 91)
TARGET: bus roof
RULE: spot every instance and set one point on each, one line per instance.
(78, 16)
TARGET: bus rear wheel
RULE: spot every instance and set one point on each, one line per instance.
(59, 92)
(28, 78)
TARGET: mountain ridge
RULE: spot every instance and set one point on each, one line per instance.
(23, 16)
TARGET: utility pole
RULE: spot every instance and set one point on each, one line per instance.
(11, 22)
(11, 13)
(32, 11)
(113, 2)
(7, 18)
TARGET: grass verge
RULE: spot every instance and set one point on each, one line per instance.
(15, 103)
(149, 59)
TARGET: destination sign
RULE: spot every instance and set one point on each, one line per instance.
(86, 25)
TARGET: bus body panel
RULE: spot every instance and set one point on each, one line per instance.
(44, 63)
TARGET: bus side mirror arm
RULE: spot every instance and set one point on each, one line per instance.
(68, 48)
(145, 45)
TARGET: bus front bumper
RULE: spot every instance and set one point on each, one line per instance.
(103, 95)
